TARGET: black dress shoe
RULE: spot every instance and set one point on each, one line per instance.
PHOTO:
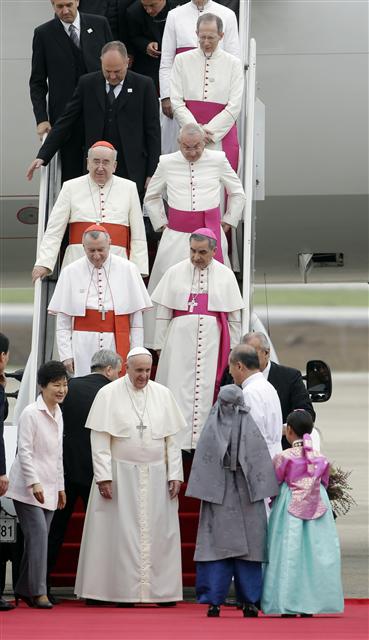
(166, 604)
(213, 611)
(53, 599)
(5, 605)
(249, 610)
(306, 615)
(90, 602)
(125, 605)
(26, 599)
(289, 615)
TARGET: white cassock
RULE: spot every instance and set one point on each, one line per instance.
(131, 548)
(189, 186)
(179, 34)
(81, 200)
(115, 287)
(217, 79)
(190, 343)
(265, 409)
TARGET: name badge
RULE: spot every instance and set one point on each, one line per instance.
(129, 90)
(90, 30)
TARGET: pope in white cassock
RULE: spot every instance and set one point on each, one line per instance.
(99, 197)
(98, 300)
(191, 179)
(260, 396)
(179, 36)
(130, 550)
(207, 87)
(198, 321)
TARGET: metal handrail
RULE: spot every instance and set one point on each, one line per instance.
(248, 181)
(35, 343)
(50, 180)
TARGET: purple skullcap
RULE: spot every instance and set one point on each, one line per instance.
(204, 231)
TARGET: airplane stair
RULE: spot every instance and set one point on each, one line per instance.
(43, 326)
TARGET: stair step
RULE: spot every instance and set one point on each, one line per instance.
(66, 567)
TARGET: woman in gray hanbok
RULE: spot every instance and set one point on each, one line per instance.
(231, 474)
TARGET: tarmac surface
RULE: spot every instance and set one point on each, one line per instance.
(343, 422)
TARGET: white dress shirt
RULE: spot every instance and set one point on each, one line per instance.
(265, 409)
(76, 24)
(117, 88)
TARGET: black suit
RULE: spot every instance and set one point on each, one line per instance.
(3, 415)
(57, 65)
(291, 390)
(107, 8)
(8, 551)
(143, 29)
(77, 460)
(137, 124)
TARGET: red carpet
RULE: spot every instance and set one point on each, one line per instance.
(74, 621)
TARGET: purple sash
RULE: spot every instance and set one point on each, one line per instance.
(204, 111)
(189, 221)
(201, 308)
(183, 49)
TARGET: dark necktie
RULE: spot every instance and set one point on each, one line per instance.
(111, 94)
(73, 35)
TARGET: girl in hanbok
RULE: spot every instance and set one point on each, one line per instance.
(303, 574)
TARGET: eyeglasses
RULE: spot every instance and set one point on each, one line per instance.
(104, 163)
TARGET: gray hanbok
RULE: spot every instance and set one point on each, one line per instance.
(231, 474)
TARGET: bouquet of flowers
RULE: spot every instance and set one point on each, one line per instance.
(339, 491)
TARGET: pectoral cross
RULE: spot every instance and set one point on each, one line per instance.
(102, 312)
(191, 305)
(141, 428)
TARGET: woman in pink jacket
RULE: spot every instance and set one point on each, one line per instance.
(36, 480)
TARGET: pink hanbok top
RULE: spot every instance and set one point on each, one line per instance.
(303, 470)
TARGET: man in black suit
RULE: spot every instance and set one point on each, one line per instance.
(116, 105)
(64, 49)
(4, 357)
(105, 367)
(287, 381)
(107, 8)
(146, 21)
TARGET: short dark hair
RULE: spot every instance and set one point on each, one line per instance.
(245, 354)
(4, 343)
(300, 421)
(199, 238)
(50, 372)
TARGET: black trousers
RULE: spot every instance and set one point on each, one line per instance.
(61, 519)
(73, 156)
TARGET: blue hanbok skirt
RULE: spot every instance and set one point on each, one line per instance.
(303, 574)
